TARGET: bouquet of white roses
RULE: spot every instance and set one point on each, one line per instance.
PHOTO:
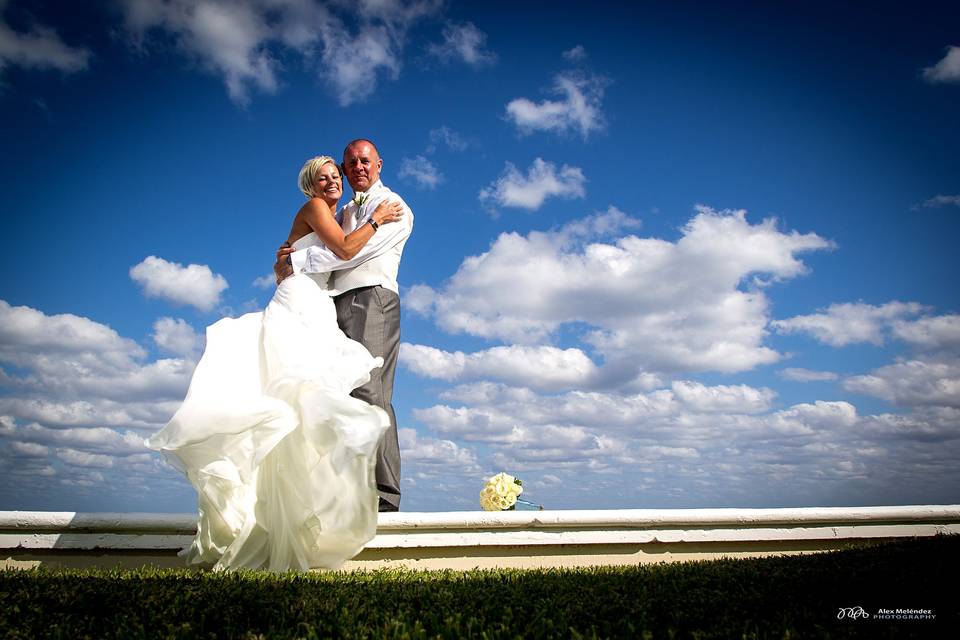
(502, 493)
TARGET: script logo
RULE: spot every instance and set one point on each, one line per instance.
(852, 612)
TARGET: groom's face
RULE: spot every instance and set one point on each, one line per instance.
(361, 163)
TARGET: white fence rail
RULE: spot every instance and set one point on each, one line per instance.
(504, 539)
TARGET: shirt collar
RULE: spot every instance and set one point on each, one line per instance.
(362, 196)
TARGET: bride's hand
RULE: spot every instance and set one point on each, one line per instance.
(283, 267)
(387, 212)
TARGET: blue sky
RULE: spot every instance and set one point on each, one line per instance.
(664, 255)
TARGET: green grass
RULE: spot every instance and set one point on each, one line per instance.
(780, 597)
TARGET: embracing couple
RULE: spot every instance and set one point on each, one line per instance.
(287, 431)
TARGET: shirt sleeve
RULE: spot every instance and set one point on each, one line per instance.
(320, 259)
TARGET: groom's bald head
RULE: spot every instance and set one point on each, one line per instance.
(359, 141)
(361, 164)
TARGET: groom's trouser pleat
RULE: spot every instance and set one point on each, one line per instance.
(371, 316)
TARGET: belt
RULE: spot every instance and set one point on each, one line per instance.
(355, 290)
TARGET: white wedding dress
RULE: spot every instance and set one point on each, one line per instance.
(281, 456)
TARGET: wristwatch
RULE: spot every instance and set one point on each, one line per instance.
(373, 223)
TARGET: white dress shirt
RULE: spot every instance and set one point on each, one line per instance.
(377, 262)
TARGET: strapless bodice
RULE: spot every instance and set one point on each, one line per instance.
(309, 240)
(306, 241)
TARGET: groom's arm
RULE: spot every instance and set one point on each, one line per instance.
(320, 259)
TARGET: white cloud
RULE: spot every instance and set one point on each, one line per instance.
(651, 304)
(27, 334)
(578, 109)
(850, 323)
(29, 449)
(818, 415)
(243, 40)
(578, 405)
(513, 189)
(353, 69)
(540, 367)
(194, 285)
(85, 480)
(917, 382)
(431, 451)
(41, 48)
(929, 424)
(686, 413)
(441, 469)
(84, 459)
(70, 356)
(268, 281)
(576, 54)
(354, 60)
(939, 200)
(447, 137)
(464, 42)
(473, 424)
(420, 171)
(946, 70)
(176, 336)
(680, 443)
(549, 479)
(806, 375)
(90, 413)
(84, 397)
(686, 444)
(97, 440)
(930, 333)
(692, 443)
(564, 445)
(152, 381)
(485, 392)
(228, 38)
(722, 398)
(598, 224)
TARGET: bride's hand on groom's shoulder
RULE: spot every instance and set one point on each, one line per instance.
(283, 267)
(388, 211)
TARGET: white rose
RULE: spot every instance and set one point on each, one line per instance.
(500, 492)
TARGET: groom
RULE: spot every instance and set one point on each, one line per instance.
(367, 295)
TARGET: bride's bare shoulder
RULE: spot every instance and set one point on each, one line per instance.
(301, 227)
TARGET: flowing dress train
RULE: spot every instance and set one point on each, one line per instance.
(281, 456)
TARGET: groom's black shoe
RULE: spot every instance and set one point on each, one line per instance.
(387, 506)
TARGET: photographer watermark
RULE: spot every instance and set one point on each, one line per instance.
(859, 613)
(905, 614)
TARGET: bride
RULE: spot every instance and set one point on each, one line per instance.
(281, 456)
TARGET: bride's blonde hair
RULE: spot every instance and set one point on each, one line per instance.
(308, 174)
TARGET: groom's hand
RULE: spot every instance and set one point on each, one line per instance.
(283, 267)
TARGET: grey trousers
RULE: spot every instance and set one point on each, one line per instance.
(371, 316)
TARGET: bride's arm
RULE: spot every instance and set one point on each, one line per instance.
(320, 259)
(346, 246)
